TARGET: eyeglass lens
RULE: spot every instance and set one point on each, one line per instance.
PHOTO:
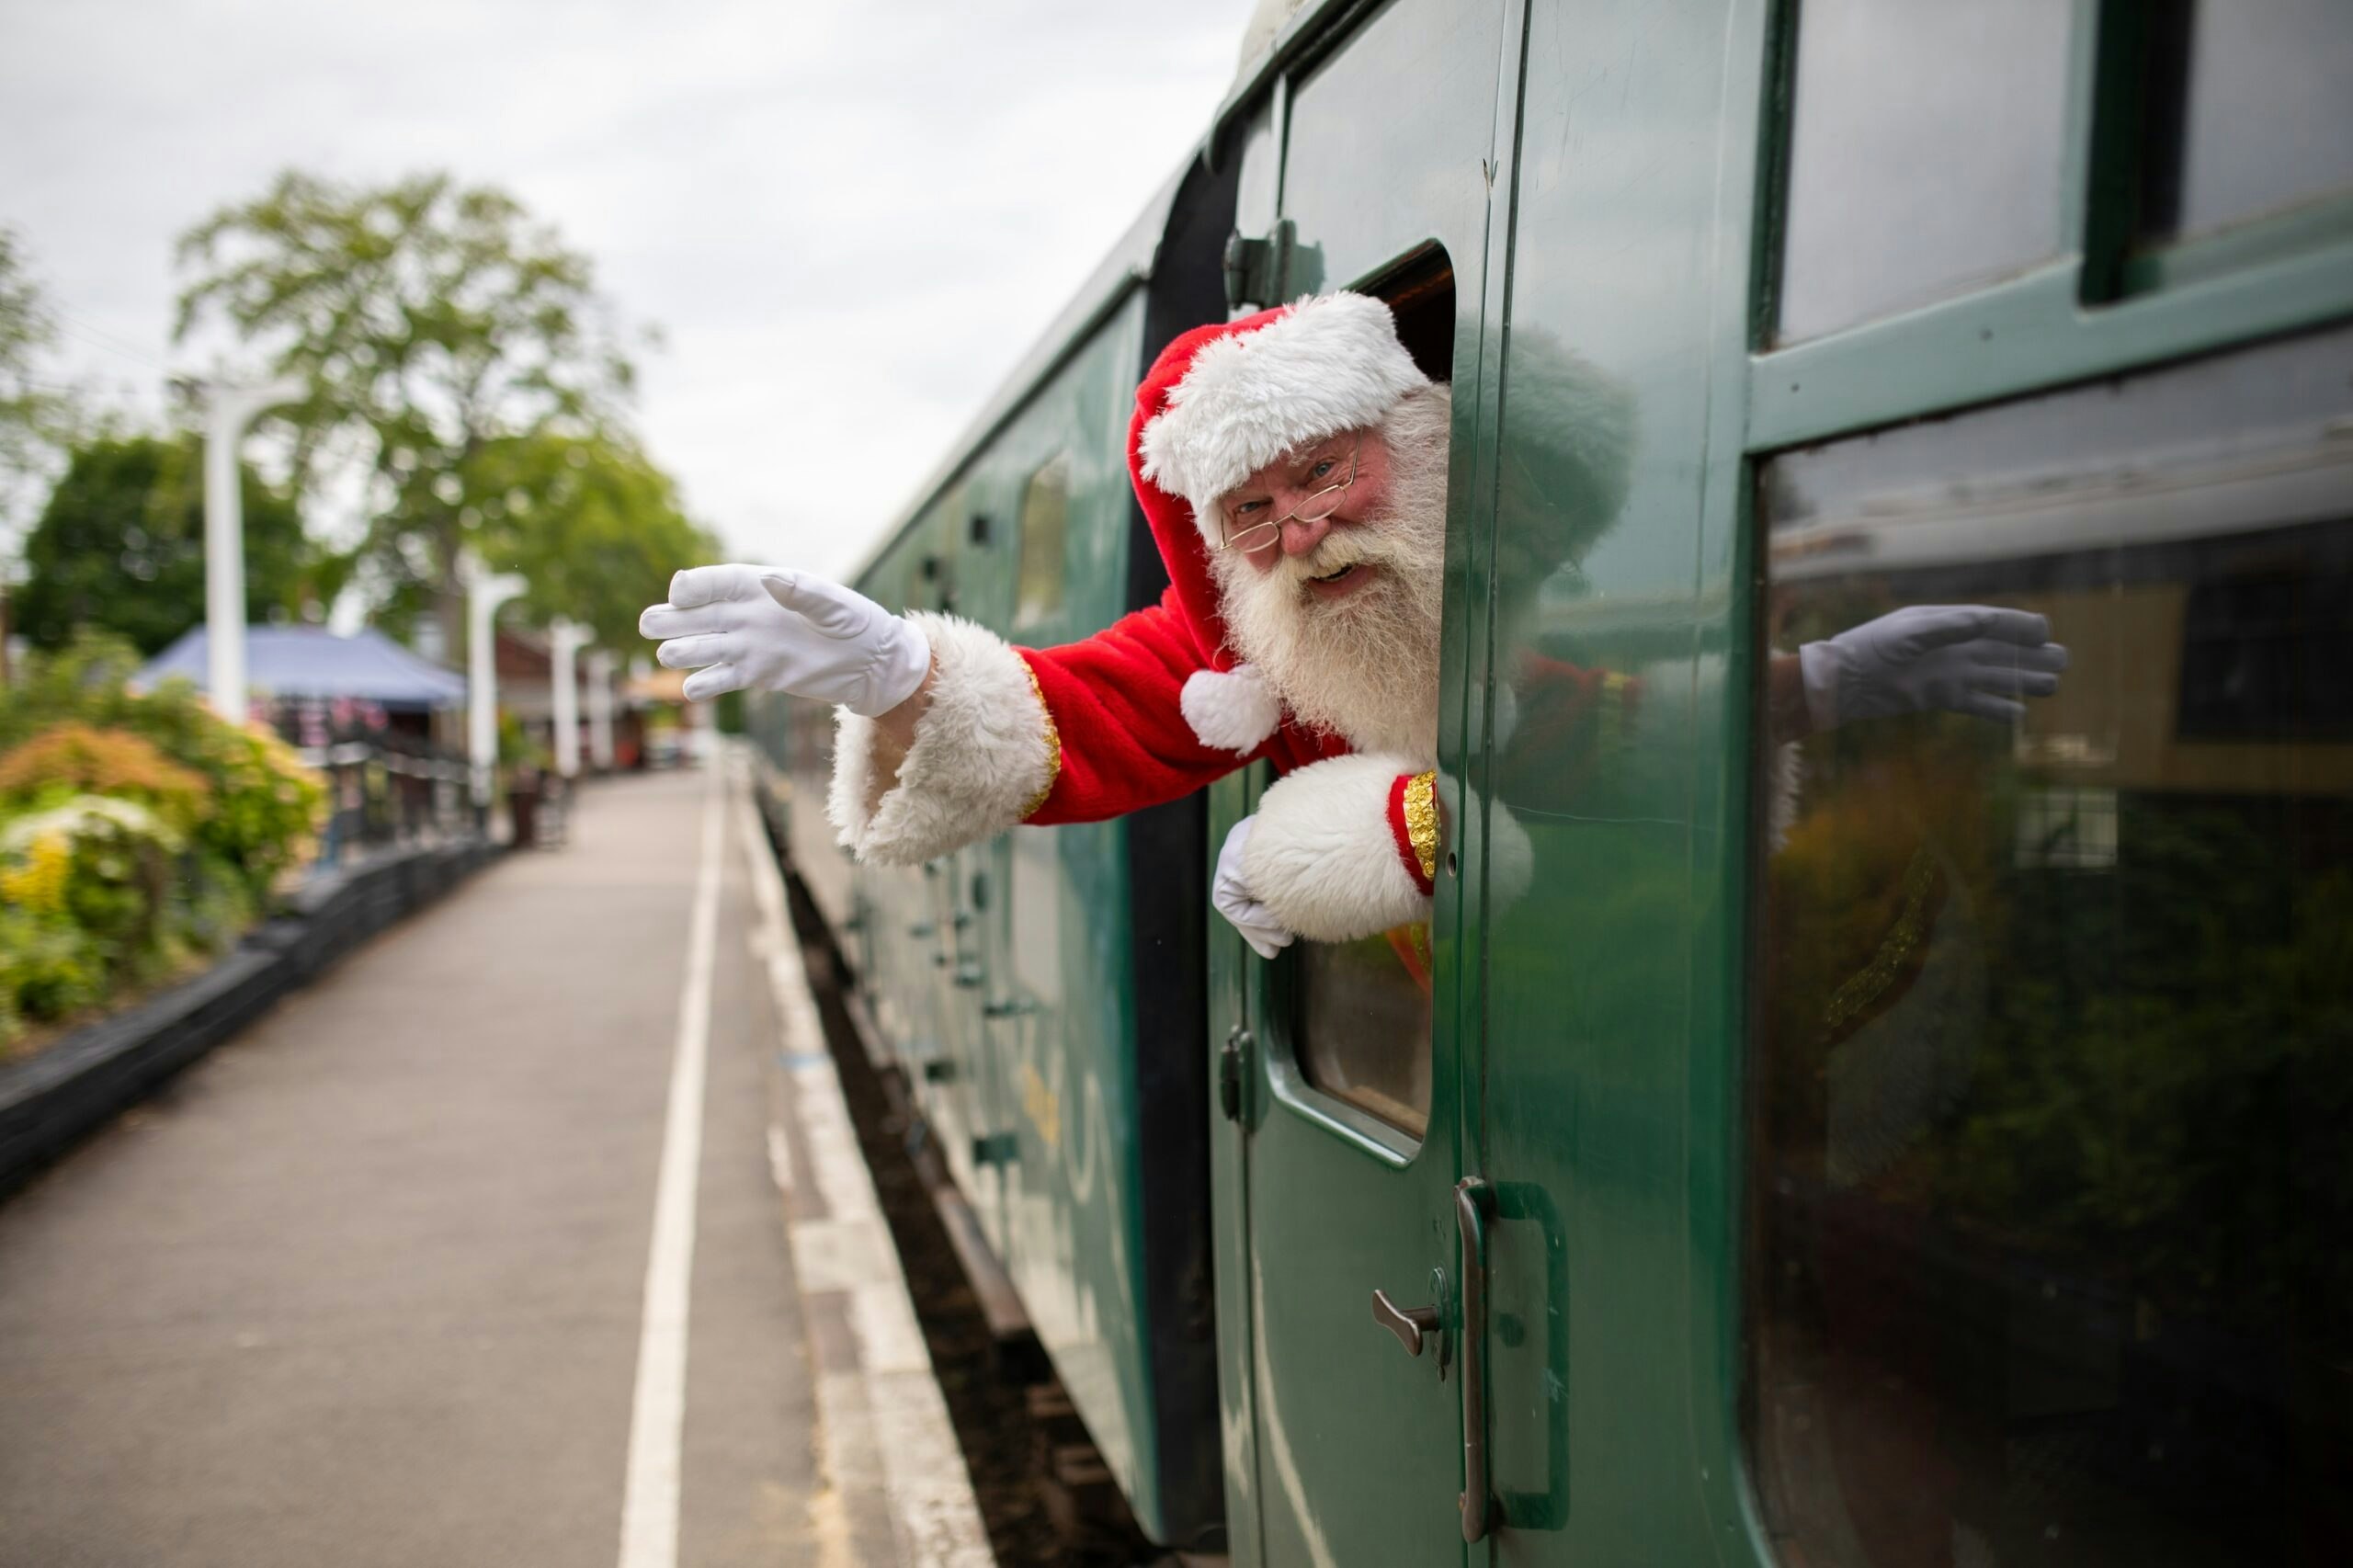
(1315, 509)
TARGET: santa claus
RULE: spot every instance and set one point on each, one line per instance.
(1293, 465)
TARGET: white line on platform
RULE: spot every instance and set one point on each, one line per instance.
(885, 1427)
(780, 1160)
(657, 1417)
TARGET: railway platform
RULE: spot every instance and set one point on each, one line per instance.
(523, 1238)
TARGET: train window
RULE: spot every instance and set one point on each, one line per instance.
(2051, 1225)
(1925, 154)
(2251, 110)
(1364, 1009)
(1045, 520)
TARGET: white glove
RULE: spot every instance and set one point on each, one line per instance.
(1967, 658)
(773, 629)
(1265, 934)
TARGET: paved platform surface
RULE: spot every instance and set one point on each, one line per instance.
(370, 1284)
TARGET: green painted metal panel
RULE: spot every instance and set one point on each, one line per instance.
(1066, 1067)
(1606, 1094)
(1353, 1450)
(993, 972)
(2034, 331)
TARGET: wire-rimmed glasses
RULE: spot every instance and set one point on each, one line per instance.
(1248, 537)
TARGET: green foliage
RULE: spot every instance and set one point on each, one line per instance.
(75, 759)
(121, 548)
(518, 749)
(135, 831)
(430, 320)
(34, 415)
(48, 969)
(102, 863)
(594, 527)
(264, 804)
(2153, 1081)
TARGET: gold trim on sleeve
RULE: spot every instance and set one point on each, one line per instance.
(1054, 743)
(1421, 820)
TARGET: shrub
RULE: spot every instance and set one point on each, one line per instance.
(265, 807)
(48, 969)
(77, 760)
(103, 863)
(135, 831)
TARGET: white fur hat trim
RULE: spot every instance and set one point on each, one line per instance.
(1233, 710)
(1330, 363)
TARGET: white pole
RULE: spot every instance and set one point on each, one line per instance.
(224, 540)
(600, 710)
(484, 596)
(564, 641)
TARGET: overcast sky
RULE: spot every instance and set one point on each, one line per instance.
(848, 219)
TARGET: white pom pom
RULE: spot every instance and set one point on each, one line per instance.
(1233, 711)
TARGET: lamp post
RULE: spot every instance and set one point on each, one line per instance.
(232, 409)
(564, 641)
(600, 710)
(484, 596)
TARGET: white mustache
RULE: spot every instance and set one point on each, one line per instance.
(1359, 544)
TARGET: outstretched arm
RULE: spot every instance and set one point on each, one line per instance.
(945, 733)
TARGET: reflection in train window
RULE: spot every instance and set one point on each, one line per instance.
(1364, 1012)
(1045, 519)
(2051, 1200)
(2250, 111)
(1888, 90)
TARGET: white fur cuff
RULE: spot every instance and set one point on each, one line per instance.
(986, 753)
(1232, 710)
(1322, 858)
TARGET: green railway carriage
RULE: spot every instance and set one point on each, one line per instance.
(1911, 1141)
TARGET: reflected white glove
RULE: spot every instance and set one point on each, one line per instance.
(772, 630)
(1265, 934)
(1966, 658)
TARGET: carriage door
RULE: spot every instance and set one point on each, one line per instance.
(1339, 1268)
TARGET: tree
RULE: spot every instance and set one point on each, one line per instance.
(121, 547)
(431, 321)
(594, 526)
(33, 417)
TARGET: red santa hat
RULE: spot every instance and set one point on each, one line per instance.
(1223, 401)
(1220, 404)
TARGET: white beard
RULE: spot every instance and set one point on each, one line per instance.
(1364, 667)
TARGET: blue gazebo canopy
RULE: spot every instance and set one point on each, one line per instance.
(311, 662)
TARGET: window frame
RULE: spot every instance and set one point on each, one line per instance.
(2046, 326)
(2102, 308)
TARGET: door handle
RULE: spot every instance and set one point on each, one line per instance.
(1469, 1216)
(1410, 1325)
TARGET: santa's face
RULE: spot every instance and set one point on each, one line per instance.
(1348, 472)
(1341, 613)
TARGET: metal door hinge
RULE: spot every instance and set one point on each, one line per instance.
(1257, 271)
(1231, 1061)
